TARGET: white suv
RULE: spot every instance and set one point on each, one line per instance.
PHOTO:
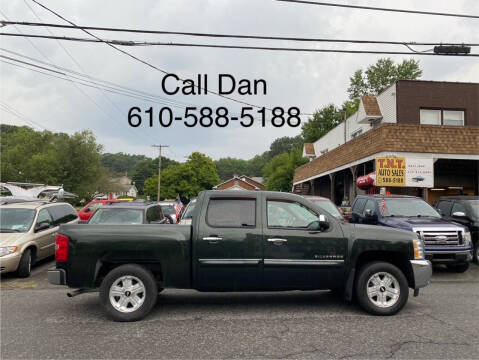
(27, 232)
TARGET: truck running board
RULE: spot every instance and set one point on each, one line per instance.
(80, 291)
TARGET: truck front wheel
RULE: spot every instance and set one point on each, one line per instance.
(128, 292)
(381, 288)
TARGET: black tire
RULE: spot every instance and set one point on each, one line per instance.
(25, 265)
(369, 270)
(150, 292)
(475, 255)
(459, 268)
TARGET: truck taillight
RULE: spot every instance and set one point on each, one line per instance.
(61, 248)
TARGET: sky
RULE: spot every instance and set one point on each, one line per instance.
(304, 80)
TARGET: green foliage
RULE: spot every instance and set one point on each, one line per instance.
(227, 167)
(49, 158)
(120, 162)
(381, 75)
(285, 144)
(147, 168)
(279, 172)
(323, 120)
(186, 179)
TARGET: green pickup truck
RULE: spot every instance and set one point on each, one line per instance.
(241, 241)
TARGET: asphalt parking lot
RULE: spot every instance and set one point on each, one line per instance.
(39, 321)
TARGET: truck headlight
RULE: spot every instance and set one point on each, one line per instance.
(467, 238)
(6, 250)
(418, 248)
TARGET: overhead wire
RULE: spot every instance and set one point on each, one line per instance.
(420, 12)
(237, 47)
(148, 63)
(232, 36)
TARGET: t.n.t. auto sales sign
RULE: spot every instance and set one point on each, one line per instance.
(404, 172)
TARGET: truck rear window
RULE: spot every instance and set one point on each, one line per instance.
(231, 213)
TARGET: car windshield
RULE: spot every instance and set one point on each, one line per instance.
(16, 220)
(475, 208)
(329, 207)
(117, 216)
(168, 209)
(189, 211)
(409, 207)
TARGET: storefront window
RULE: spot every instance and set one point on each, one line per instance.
(430, 117)
(455, 118)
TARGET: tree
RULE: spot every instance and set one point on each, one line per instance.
(279, 172)
(186, 180)
(285, 144)
(227, 167)
(381, 75)
(120, 162)
(147, 168)
(322, 121)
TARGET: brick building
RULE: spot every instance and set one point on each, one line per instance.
(435, 122)
(241, 183)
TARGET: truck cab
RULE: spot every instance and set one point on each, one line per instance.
(446, 242)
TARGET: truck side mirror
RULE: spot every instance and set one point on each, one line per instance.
(371, 215)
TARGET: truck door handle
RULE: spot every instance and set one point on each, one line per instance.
(212, 238)
(277, 241)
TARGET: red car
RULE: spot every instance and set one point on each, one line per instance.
(89, 209)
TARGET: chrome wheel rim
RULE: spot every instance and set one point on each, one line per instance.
(127, 294)
(29, 264)
(383, 289)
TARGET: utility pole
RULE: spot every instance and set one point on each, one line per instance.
(159, 167)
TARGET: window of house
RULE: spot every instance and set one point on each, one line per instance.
(356, 133)
(451, 117)
(442, 117)
(430, 117)
(324, 151)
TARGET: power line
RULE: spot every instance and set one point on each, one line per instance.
(233, 36)
(110, 84)
(380, 9)
(237, 47)
(148, 63)
(19, 115)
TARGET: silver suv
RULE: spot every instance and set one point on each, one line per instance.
(27, 232)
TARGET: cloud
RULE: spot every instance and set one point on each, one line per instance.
(306, 80)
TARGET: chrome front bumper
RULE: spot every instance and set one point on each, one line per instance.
(422, 271)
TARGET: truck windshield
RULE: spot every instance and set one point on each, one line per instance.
(409, 207)
(16, 220)
(117, 216)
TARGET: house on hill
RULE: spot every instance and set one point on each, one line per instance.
(242, 182)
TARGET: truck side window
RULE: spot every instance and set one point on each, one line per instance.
(289, 215)
(231, 213)
(445, 207)
(370, 205)
(458, 207)
(358, 206)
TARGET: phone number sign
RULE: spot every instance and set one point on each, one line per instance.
(404, 172)
(391, 171)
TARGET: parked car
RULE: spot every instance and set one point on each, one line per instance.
(28, 232)
(464, 210)
(129, 213)
(169, 210)
(241, 241)
(326, 204)
(446, 242)
(187, 215)
(86, 213)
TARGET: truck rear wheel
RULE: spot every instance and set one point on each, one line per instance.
(128, 292)
(381, 288)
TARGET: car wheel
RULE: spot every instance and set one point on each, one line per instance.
(381, 288)
(475, 255)
(25, 265)
(459, 268)
(128, 292)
